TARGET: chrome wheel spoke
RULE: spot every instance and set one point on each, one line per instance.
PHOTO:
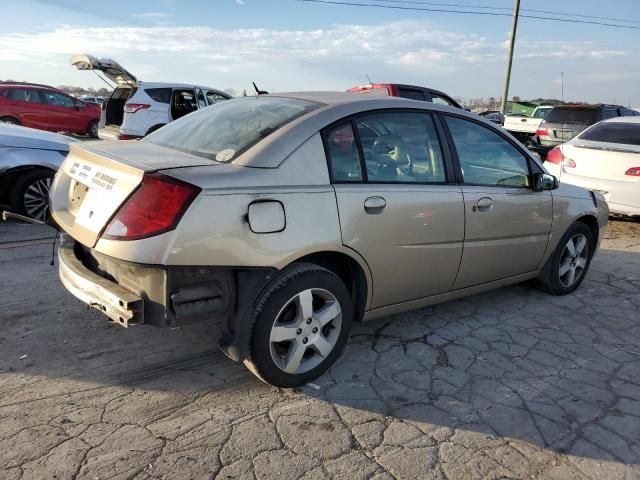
(580, 244)
(581, 263)
(571, 248)
(322, 346)
(564, 267)
(327, 313)
(281, 334)
(571, 276)
(305, 304)
(294, 358)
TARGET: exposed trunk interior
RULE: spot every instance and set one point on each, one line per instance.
(114, 106)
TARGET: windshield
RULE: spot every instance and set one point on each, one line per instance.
(225, 130)
(624, 133)
(586, 116)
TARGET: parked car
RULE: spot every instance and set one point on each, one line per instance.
(494, 116)
(566, 121)
(524, 128)
(274, 213)
(407, 91)
(29, 159)
(136, 109)
(46, 108)
(92, 99)
(605, 157)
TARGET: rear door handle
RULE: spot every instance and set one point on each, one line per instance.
(374, 205)
(484, 204)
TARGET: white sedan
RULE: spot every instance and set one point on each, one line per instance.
(604, 158)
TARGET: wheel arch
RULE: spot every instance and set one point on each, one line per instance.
(591, 222)
(9, 177)
(154, 128)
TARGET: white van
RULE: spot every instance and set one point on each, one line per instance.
(137, 108)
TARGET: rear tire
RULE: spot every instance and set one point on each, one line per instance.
(568, 265)
(30, 193)
(301, 325)
(92, 131)
(10, 120)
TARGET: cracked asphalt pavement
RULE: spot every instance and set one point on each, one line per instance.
(509, 384)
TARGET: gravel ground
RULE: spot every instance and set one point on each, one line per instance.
(509, 384)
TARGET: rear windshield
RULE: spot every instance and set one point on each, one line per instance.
(225, 130)
(586, 116)
(123, 93)
(625, 133)
(161, 95)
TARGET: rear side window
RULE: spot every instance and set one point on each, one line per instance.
(486, 158)
(625, 133)
(225, 130)
(161, 95)
(412, 94)
(438, 100)
(541, 113)
(586, 116)
(343, 153)
(57, 99)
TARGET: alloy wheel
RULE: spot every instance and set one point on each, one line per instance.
(573, 261)
(305, 331)
(36, 198)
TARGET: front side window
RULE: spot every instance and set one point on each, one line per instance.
(202, 103)
(214, 97)
(343, 153)
(610, 113)
(225, 130)
(57, 99)
(401, 147)
(438, 100)
(486, 158)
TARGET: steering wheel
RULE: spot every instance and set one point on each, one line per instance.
(392, 147)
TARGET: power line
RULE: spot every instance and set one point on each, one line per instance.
(484, 7)
(466, 12)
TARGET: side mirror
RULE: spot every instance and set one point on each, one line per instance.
(79, 104)
(544, 181)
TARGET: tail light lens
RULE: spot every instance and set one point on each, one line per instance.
(155, 207)
(134, 107)
(542, 132)
(556, 156)
(633, 172)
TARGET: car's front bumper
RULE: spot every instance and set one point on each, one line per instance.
(130, 293)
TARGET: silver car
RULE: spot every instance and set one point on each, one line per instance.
(29, 159)
(293, 216)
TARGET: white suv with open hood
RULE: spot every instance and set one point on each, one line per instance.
(136, 109)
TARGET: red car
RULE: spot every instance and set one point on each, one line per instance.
(407, 91)
(47, 108)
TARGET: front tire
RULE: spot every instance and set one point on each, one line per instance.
(30, 194)
(566, 268)
(93, 129)
(301, 325)
(10, 120)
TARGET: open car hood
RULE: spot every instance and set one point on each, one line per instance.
(110, 68)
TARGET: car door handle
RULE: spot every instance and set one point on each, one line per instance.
(374, 205)
(484, 204)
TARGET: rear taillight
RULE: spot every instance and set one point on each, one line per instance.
(123, 136)
(154, 208)
(555, 156)
(542, 132)
(633, 172)
(134, 107)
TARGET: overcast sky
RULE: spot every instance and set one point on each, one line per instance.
(287, 45)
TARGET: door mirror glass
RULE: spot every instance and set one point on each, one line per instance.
(544, 181)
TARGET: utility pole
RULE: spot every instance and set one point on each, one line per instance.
(562, 83)
(514, 26)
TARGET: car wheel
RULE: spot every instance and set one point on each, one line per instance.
(300, 326)
(9, 120)
(93, 129)
(30, 194)
(567, 267)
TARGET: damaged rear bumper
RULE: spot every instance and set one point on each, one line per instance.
(130, 293)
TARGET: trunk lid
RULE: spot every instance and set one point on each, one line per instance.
(96, 179)
(112, 69)
(601, 160)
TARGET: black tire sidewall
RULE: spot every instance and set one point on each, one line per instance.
(284, 287)
(10, 120)
(22, 183)
(90, 129)
(554, 279)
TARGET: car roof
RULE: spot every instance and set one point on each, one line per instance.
(174, 85)
(629, 119)
(28, 85)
